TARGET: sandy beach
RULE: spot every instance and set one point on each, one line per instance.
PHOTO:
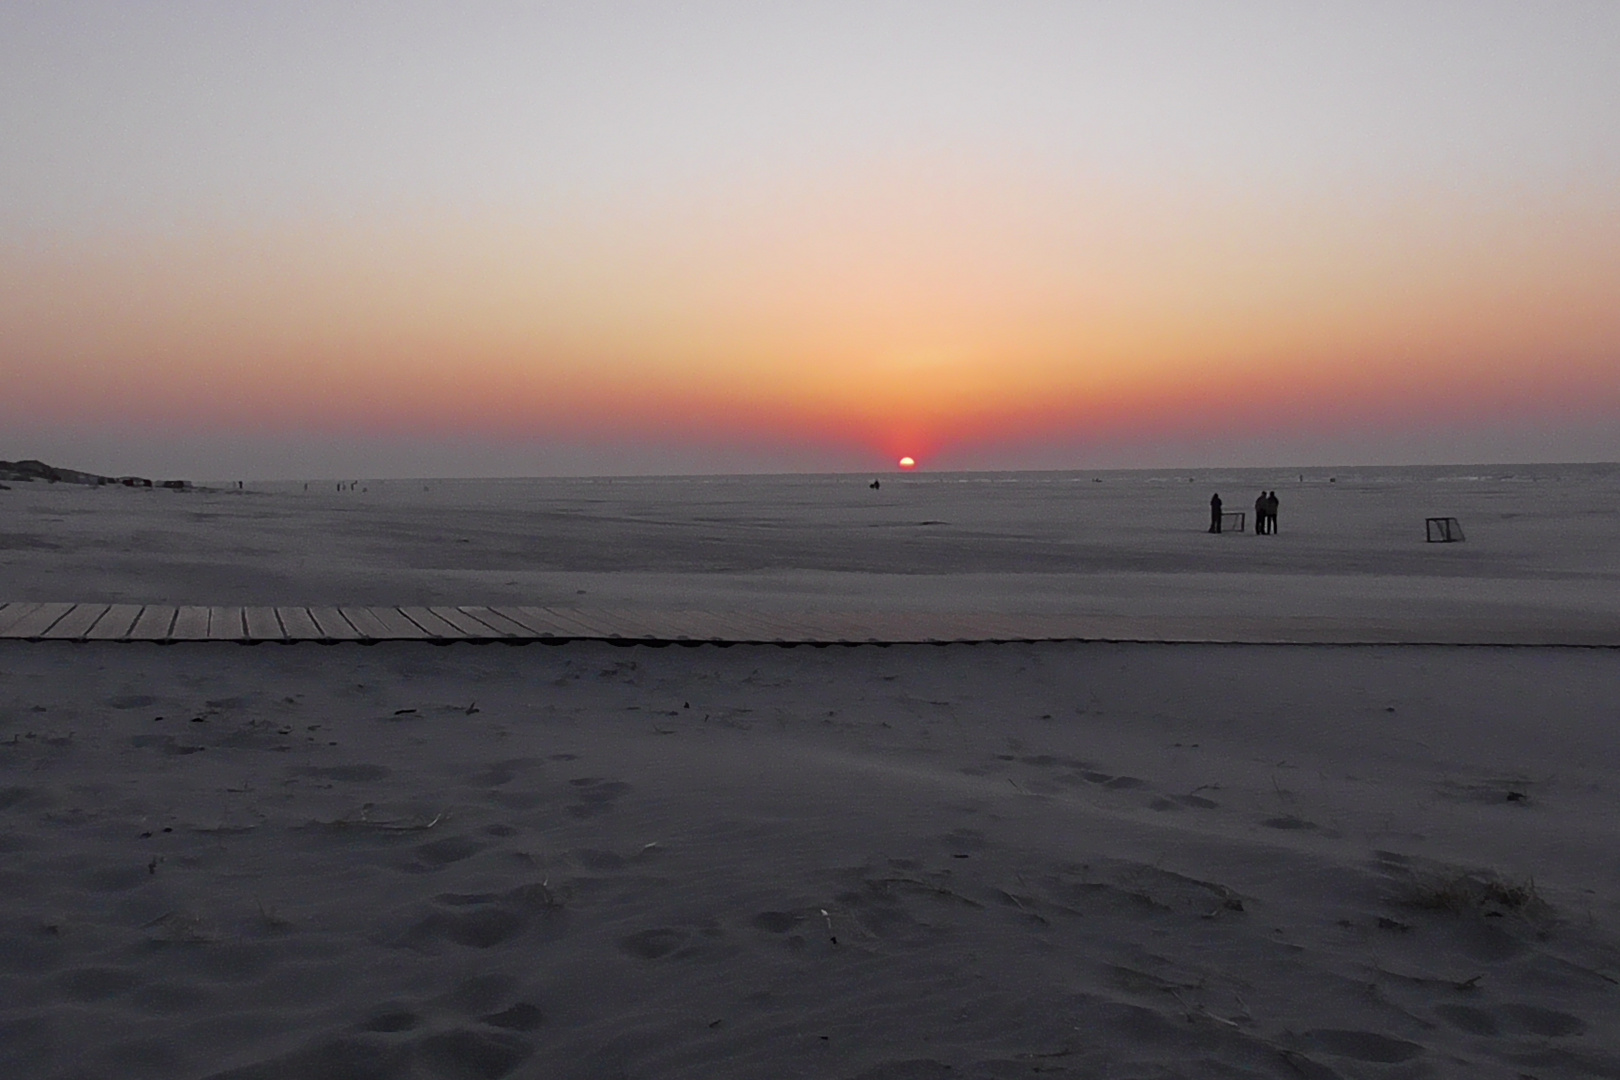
(1059, 859)
(1541, 561)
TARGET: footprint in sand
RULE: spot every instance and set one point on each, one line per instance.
(483, 993)
(592, 859)
(1469, 1019)
(1544, 1022)
(523, 1016)
(468, 1052)
(596, 796)
(392, 1021)
(1117, 783)
(1289, 822)
(458, 1052)
(777, 922)
(1049, 761)
(499, 773)
(451, 849)
(964, 842)
(914, 1069)
(1362, 1046)
(21, 798)
(654, 944)
(483, 920)
(348, 774)
(98, 983)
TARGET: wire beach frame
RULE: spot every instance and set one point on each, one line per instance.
(1442, 530)
(1234, 520)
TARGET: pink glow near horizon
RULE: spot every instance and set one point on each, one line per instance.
(865, 295)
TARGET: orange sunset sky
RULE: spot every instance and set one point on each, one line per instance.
(288, 240)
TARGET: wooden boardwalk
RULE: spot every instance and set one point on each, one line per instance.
(519, 624)
(512, 623)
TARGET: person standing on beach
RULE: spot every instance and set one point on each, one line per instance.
(1260, 515)
(1271, 513)
(1215, 513)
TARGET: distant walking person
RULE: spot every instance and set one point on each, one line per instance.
(1271, 513)
(1215, 513)
(1260, 515)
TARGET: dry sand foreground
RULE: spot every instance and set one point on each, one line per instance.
(907, 862)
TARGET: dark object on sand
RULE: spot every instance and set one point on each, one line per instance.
(874, 485)
(1442, 530)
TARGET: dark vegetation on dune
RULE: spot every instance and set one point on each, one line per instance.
(30, 470)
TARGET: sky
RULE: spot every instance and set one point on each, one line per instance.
(329, 239)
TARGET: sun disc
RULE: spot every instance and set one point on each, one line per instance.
(908, 463)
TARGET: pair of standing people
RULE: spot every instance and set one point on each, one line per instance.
(1265, 514)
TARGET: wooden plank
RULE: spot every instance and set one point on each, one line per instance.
(548, 622)
(470, 627)
(745, 626)
(14, 614)
(36, 622)
(334, 627)
(436, 628)
(775, 627)
(706, 625)
(679, 626)
(115, 624)
(25, 620)
(841, 627)
(496, 621)
(154, 623)
(637, 625)
(540, 622)
(363, 622)
(190, 624)
(75, 623)
(398, 627)
(298, 624)
(225, 624)
(261, 624)
(619, 625)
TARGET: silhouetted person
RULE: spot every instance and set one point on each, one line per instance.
(1271, 513)
(1260, 515)
(1215, 513)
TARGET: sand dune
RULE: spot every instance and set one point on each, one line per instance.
(994, 861)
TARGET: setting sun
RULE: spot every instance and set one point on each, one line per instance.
(908, 463)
